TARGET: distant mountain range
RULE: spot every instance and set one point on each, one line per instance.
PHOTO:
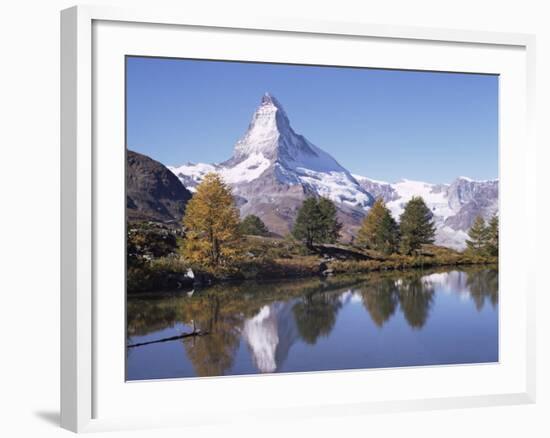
(273, 169)
(454, 206)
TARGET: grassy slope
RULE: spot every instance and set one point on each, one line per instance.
(271, 257)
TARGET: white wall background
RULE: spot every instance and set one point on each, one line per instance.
(29, 214)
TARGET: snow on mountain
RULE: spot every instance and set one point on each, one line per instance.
(192, 174)
(454, 206)
(273, 169)
(434, 196)
(378, 189)
(270, 141)
(247, 170)
(270, 134)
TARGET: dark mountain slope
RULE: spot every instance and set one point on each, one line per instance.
(152, 191)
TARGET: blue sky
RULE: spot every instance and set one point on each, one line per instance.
(384, 124)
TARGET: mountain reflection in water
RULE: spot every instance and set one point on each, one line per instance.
(380, 320)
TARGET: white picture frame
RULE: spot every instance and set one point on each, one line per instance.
(89, 399)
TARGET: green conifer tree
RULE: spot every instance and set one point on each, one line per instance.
(492, 239)
(253, 226)
(416, 226)
(478, 237)
(389, 234)
(330, 230)
(316, 222)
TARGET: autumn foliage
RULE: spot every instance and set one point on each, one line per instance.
(379, 230)
(211, 224)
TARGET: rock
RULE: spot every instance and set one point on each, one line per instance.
(378, 189)
(202, 279)
(328, 272)
(176, 281)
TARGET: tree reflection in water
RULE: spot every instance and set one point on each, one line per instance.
(315, 315)
(415, 299)
(212, 355)
(380, 299)
(483, 284)
(269, 318)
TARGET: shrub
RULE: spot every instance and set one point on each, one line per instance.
(252, 225)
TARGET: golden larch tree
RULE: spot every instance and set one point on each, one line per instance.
(379, 231)
(211, 225)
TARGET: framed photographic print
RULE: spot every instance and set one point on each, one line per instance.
(274, 207)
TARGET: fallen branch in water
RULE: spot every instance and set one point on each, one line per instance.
(172, 338)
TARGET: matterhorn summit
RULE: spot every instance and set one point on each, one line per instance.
(268, 130)
(270, 136)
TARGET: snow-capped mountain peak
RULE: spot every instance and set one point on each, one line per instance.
(273, 169)
(270, 100)
(270, 136)
(268, 126)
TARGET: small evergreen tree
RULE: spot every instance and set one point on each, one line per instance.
(211, 225)
(478, 236)
(253, 226)
(307, 222)
(379, 230)
(330, 230)
(389, 234)
(316, 222)
(416, 226)
(492, 236)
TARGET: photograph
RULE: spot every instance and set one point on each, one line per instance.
(290, 218)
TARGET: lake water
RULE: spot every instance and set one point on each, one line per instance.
(408, 318)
